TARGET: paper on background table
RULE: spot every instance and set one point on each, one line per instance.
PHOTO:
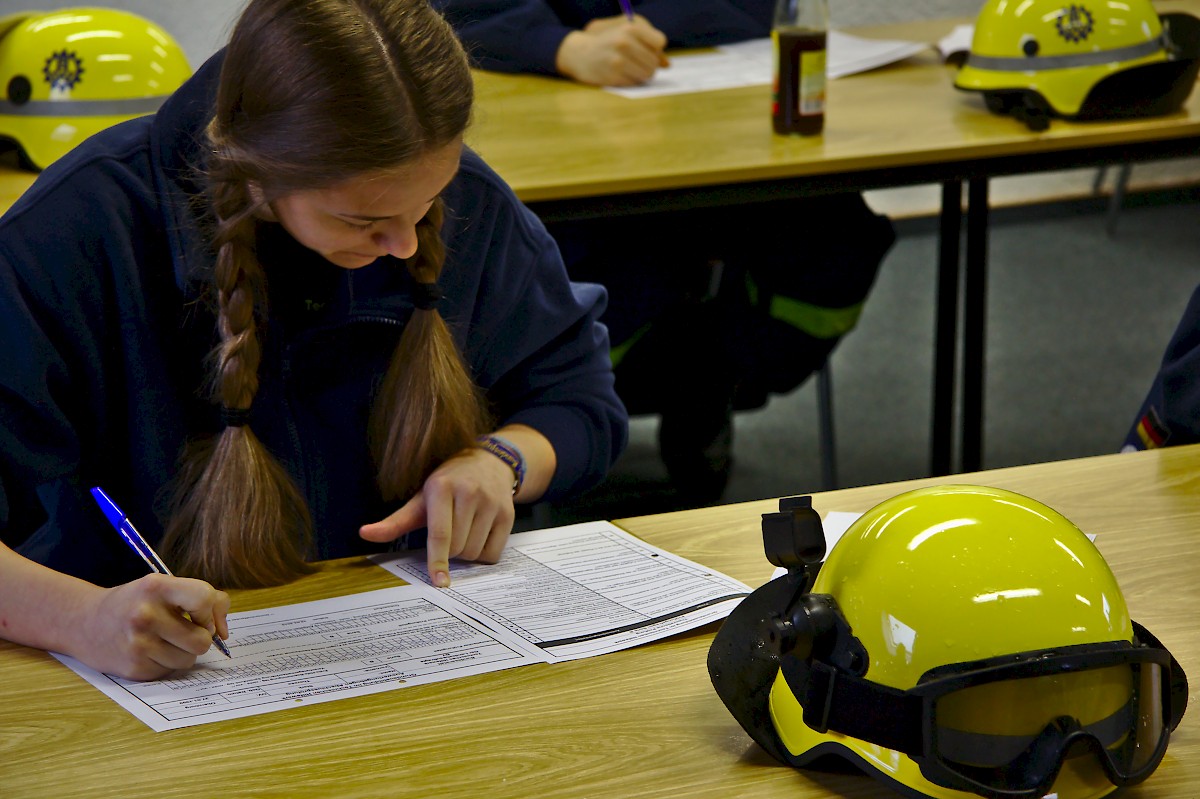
(749, 63)
(957, 43)
(582, 589)
(312, 652)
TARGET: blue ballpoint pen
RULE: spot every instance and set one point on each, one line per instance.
(117, 518)
(627, 8)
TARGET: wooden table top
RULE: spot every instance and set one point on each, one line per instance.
(643, 722)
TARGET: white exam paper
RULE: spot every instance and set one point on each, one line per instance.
(957, 42)
(749, 63)
(559, 594)
(582, 589)
(312, 652)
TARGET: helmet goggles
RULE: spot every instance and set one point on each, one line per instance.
(965, 728)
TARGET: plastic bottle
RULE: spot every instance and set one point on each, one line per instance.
(800, 35)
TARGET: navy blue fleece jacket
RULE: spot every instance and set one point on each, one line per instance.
(524, 35)
(106, 322)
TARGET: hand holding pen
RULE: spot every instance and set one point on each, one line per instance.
(621, 50)
(172, 608)
(648, 34)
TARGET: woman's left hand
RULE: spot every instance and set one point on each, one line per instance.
(467, 506)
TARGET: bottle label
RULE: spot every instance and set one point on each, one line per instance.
(799, 91)
(812, 82)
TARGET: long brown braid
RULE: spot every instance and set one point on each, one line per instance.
(427, 408)
(239, 519)
(312, 93)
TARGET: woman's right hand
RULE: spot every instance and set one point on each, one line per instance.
(613, 51)
(139, 630)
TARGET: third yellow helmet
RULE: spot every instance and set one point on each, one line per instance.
(1081, 60)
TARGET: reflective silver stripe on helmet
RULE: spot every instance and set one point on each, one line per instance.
(1094, 58)
(83, 108)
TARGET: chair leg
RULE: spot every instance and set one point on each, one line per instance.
(825, 418)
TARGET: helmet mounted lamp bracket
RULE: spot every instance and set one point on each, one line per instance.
(808, 626)
(794, 539)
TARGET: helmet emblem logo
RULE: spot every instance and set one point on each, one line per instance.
(63, 70)
(1074, 23)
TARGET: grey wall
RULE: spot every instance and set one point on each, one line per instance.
(201, 26)
(869, 12)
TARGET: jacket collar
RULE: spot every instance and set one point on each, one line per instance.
(177, 150)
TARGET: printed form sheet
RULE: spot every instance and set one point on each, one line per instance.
(583, 589)
(315, 652)
(751, 63)
(558, 594)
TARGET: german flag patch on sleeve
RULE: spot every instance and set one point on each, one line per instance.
(1152, 431)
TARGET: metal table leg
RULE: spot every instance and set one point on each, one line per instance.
(975, 325)
(946, 329)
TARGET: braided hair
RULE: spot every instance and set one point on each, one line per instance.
(312, 93)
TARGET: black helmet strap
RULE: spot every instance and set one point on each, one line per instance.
(852, 706)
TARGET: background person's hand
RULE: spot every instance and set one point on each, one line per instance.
(466, 505)
(139, 631)
(612, 51)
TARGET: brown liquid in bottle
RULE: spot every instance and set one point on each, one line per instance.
(799, 105)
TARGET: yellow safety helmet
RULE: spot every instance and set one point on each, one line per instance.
(1095, 59)
(958, 641)
(67, 74)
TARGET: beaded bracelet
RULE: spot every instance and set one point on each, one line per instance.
(506, 451)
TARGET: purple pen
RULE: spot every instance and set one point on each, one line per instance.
(627, 7)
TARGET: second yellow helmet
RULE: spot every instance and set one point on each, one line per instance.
(67, 74)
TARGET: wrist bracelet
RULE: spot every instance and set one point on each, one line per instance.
(506, 451)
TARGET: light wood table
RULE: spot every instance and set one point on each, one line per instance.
(643, 722)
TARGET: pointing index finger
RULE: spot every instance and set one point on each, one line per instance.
(437, 544)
